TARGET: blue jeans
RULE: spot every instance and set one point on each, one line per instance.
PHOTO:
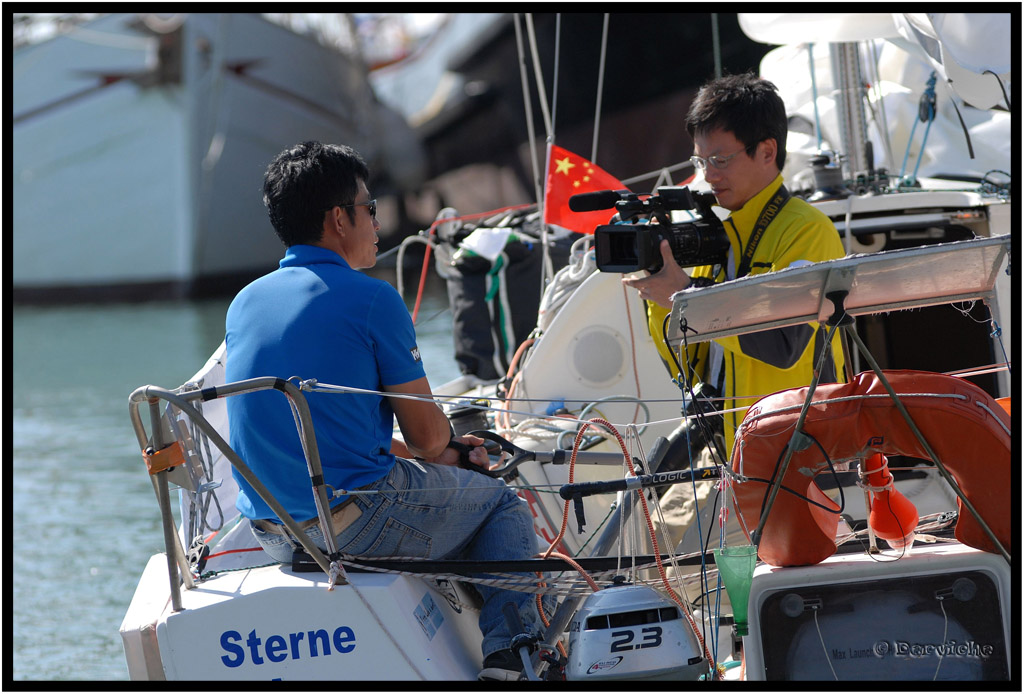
(442, 512)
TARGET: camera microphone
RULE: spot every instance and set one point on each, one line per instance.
(589, 202)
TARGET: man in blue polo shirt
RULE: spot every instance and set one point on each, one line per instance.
(318, 317)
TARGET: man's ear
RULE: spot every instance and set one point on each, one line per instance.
(767, 149)
(332, 221)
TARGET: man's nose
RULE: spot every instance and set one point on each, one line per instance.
(712, 174)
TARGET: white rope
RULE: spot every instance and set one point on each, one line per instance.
(547, 268)
(985, 407)
(541, 92)
(311, 385)
(554, 84)
(945, 631)
(828, 659)
(400, 259)
(528, 103)
(600, 88)
(571, 585)
(532, 418)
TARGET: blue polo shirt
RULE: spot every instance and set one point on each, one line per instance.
(316, 317)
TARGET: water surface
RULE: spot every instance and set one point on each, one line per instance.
(84, 519)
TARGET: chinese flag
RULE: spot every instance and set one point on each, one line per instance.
(569, 174)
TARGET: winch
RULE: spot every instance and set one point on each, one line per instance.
(632, 633)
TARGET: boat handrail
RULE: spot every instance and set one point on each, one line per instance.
(181, 399)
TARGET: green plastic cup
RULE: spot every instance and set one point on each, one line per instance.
(736, 567)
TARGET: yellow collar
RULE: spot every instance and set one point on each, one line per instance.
(745, 217)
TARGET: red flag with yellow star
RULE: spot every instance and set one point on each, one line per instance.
(569, 174)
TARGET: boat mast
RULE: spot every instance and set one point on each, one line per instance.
(849, 82)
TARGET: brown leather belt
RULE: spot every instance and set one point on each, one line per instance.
(342, 516)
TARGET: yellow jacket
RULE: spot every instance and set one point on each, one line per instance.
(758, 364)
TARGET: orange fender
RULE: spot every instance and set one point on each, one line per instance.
(964, 425)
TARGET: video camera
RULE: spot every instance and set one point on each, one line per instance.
(629, 247)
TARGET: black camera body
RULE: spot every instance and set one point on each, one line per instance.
(630, 247)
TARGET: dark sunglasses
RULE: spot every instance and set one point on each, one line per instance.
(370, 205)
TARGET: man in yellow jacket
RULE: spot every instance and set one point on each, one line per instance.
(738, 125)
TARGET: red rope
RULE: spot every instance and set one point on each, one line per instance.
(479, 215)
(423, 281)
(233, 551)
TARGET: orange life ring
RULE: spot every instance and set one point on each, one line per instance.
(965, 427)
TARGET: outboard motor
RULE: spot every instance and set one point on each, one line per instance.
(632, 633)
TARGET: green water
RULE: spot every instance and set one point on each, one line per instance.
(84, 519)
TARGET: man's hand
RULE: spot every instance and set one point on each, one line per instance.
(477, 455)
(660, 286)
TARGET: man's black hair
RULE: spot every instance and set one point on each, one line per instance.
(747, 106)
(305, 181)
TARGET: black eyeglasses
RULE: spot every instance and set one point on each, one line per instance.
(371, 206)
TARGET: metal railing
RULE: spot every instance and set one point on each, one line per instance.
(154, 443)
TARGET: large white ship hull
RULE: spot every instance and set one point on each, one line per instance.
(138, 156)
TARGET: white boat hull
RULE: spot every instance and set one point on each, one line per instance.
(271, 623)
